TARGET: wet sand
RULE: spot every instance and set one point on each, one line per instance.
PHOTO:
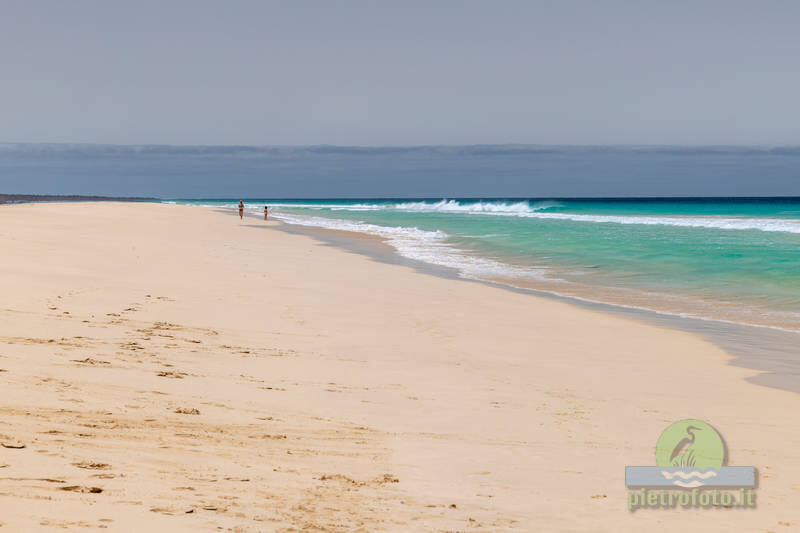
(173, 368)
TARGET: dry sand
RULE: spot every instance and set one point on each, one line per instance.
(172, 368)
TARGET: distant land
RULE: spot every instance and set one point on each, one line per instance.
(28, 198)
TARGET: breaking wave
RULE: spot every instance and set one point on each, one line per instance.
(725, 223)
(455, 206)
(422, 245)
(536, 210)
(540, 210)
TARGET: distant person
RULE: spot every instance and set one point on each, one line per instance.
(266, 212)
(241, 210)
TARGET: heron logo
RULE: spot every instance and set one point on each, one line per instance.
(690, 454)
(690, 444)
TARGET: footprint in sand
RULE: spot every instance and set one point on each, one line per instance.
(131, 346)
(187, 411)
(90, 361)
(91, 465)
(386, 478)
(171, 374)
(79, 488)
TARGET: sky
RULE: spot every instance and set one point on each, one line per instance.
(400, 73)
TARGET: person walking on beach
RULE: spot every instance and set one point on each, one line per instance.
(241, 210)
(266, 212)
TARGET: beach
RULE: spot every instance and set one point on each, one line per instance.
(174, 368)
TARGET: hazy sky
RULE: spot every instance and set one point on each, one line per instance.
(399, 73)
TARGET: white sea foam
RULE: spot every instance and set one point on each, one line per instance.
(537, 210)
(472, 208)
(725, 223)
(526, 210)
(331, 206)
(422, 245)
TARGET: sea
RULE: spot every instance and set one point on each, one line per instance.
(731, 260)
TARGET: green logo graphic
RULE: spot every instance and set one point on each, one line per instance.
(691, 472)
(690, 443)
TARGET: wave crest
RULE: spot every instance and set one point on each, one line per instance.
(455, 206)
(536, 210)
(725, 223)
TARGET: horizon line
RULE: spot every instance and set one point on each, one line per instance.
(437, 198)
(441, 145)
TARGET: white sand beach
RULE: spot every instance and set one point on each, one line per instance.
(171, 368)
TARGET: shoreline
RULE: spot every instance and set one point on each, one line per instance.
(435, 244)
(770, 350)
(176, 369)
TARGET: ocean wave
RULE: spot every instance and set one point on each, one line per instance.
(445, 206)
(535, 210)
(422, 245)
(724, 223)
(455, 206)
(331, 206)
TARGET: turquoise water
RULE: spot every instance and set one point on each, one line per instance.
(725, 259)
